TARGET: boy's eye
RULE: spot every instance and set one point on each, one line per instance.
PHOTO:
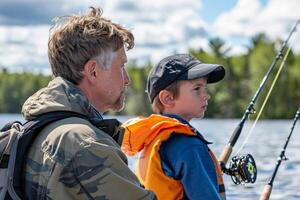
(200, 88)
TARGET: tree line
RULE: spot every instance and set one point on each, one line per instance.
(229, 98)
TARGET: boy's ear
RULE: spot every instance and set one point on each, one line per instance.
(166, 98)
(90, 70)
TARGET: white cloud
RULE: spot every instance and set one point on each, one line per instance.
(29, 12)
(249, 18)
(160, 27)
(237, 21)
(24, 48)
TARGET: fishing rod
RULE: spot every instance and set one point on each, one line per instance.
(268, 187)
(242, 168)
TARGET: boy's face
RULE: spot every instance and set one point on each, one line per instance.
(193, 99)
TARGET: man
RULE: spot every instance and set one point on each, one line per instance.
(72, 158)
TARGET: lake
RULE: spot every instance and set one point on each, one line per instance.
(265, 145)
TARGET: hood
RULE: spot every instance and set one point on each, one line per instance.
(59, 95)
(140, 132)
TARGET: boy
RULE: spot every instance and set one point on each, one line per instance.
(175, 161)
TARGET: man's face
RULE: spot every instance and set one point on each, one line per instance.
(112, 83)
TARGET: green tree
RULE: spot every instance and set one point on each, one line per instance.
(230, 97)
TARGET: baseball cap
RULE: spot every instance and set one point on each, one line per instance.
(180, 67)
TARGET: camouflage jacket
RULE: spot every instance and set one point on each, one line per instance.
(71, 158)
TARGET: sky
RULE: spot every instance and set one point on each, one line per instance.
(160, 27)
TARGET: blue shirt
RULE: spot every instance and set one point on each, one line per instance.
(186, 158)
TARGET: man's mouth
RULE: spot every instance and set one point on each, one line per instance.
(204, 107)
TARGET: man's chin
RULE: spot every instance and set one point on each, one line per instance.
(119, 105)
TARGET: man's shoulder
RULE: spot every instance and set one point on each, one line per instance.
(69, 135)
(72, 128)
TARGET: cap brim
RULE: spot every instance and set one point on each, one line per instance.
(213, 72)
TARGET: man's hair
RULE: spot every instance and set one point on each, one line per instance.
(173, 88)
(76, 39)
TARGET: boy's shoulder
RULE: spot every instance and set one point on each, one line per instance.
(183, 148)
(196, 139)
(180, 141)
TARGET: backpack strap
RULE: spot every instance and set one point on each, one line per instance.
(112, 127)
(34, 126)
(17, 158)
(9, 125)
(4, 161)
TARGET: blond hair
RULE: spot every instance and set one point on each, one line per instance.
(76, 39)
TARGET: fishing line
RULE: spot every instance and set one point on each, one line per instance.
(266, 99)
(242, 168)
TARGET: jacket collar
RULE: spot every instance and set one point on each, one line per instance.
(180, 119)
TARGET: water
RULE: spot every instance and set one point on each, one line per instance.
(265, 145)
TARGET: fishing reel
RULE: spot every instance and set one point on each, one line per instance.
(242, 169)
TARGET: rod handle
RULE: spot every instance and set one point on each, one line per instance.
(265, 195)
(227, 150)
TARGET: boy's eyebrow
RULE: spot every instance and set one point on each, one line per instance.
(198, 84)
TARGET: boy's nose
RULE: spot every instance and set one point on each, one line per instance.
(206, 96)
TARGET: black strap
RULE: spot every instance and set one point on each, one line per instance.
(34, 126)
(4, 161)
(221, 188)
(31, 130)
(8, 125)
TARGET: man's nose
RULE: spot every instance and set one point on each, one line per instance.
(127, 79)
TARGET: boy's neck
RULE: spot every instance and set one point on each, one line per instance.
(176, 114)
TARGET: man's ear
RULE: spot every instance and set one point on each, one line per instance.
(90, 70)
(166, 98)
